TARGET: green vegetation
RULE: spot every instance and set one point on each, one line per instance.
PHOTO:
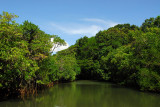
(26, 60)
(125, 54)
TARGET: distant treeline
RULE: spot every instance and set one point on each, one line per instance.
(125, 54)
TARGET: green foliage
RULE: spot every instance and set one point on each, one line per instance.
(150, 23)
(67, 65)
(48, 71)
(25, 55)
(149, 80)
(86, 55)
(125, 54)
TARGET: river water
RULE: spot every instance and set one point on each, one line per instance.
(85, 93)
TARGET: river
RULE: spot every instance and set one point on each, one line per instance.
(85, 93)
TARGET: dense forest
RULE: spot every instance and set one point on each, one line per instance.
(26, 59)
(125, 54)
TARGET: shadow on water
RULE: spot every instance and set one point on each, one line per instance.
(86, 93)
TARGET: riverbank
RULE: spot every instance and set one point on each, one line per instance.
(24, 92)
(87, 93)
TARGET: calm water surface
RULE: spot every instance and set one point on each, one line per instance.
(86, 93)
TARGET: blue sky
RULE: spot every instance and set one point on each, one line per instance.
(73, 19)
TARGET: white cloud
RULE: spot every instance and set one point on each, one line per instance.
(107, 23)
(89, 30)
(88, 27)
(52, 39)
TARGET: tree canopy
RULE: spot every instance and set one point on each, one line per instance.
(26, 59)
(125, 54)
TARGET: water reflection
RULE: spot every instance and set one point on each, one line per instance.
(88, 94)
